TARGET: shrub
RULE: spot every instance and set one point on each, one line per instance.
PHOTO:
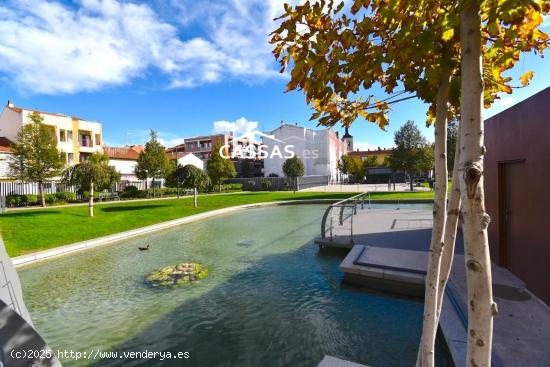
(273, 175)
(22, 200)
(50, 198)
(170, 191)
(86, 195)
(66, 196)
(132, 192)
(13, 200)
(232, 187)
(29, 199)
(251, 185)
(266, 185)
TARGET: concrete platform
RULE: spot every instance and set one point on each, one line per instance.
(329, 361)
(385, 269)
(405, 229)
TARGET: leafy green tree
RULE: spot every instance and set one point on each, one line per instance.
(413, 154)
(294, 168)
(35, 155)
(452, 136)
(346, 165)
(219, 168)
(92, 174)
(190, 177)
(152, 161)
(371, 161)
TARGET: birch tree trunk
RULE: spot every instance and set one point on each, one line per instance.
(475, 220)
(91, 200)
(451, 225)
(42, 196)
(429, 329)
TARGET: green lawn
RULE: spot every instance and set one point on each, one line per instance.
(27, 231)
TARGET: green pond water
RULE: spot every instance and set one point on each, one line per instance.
(271, 298)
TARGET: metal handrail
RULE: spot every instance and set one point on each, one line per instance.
(352, 202)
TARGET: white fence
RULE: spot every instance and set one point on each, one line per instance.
(31, 188)
(281, 183)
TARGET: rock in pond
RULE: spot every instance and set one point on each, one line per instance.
(183, 273)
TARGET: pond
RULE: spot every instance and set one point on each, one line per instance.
(270, 299)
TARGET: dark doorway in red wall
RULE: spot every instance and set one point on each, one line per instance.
(512, 214)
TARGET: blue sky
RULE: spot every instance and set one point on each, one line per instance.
(177, 66)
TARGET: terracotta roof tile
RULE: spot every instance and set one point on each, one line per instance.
(5, 144)
(125, 152)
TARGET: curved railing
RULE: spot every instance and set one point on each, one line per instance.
(345, 209)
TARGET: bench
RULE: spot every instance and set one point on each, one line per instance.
(108, 196)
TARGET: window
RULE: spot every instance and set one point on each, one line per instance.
(69, 136)
(70, 158)
(62, 135)
(97, 139)
(85, 140)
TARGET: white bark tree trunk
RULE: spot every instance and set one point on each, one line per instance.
(451, 224)
(91, 200)
(475, 220)
(195, 197)
(429, 330)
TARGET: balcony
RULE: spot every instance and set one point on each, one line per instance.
(85, 140)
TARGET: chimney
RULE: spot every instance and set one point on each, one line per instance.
(10, 104)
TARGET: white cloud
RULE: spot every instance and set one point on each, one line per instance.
(167, 139)
(362, 145)
(51, 48)
(239, 127)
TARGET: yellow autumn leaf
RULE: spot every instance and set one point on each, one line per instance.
(448, 34)
(526, 78)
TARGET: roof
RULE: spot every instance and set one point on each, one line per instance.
(5, 144)
(125, 152)
(171, 154)
(361, 153)
(21, 109)
(204, 137)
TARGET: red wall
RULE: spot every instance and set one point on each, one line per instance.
(523, 132)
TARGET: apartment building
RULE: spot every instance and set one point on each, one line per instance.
(381, 154)
(320, 150)
(76, 138)
(201, 147)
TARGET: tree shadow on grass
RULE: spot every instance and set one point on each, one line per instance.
(131, 208)
(28, 213)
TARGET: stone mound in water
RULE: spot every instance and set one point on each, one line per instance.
(183, 273)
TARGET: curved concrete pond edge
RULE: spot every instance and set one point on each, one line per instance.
(35, 257)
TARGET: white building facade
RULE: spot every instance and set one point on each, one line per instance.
(319, 150)
(75, 138)
(189, 158)
(124, 160)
